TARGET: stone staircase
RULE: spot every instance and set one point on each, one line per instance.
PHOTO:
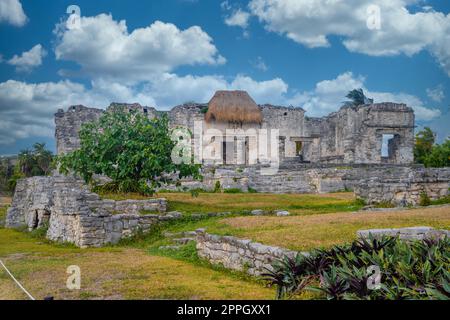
(178, 239)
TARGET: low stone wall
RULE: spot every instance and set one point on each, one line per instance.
(405, 187)
(239, 254)
(413, 233)
(76, 215)
(375, 183)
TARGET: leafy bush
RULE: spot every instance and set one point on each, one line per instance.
(424, 199)
(35, 162)
(443, 200)
(251, 190)
(217, 187)
(131, 149)
(416, 270)
(430, 154)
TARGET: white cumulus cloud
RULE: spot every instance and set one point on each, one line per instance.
(103, 47)
(27, 109)
(28, 59)
(328, 95)
(238, 18)
(311, 23)
(436, 94)
(11, 12)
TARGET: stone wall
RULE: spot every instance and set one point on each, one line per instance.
(404, 186)
(413, 233)
(74, 214)
(239, 254)
(255, 258)
(68, 125)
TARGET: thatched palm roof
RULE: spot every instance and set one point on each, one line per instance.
(233, 106)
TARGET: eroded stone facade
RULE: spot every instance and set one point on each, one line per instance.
(353, 135)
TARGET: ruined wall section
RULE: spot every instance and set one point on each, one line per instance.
(290, 123)
(355, 134)
(372, 122)
(404, 186)
(150, 112)
(68, 125)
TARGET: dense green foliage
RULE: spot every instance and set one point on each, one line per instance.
(430, 154)
(129, 148)
(417, 270)
(35, 162)
(6, 172)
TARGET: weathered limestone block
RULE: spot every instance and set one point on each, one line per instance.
(405, 187)
(413, 233)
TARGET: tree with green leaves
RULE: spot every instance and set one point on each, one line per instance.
(428, 153)
(135, 152)
(357, 98)
(425, 140)
(439, 155)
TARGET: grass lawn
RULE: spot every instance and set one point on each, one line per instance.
(139, 270)
(114, 273)
(238, 202)
(306, 232)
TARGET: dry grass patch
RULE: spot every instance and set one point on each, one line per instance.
(312, 231)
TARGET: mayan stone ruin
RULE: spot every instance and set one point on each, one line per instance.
(342, 151)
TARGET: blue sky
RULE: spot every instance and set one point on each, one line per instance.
(281, 51)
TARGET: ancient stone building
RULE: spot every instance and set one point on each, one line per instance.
(233, 129)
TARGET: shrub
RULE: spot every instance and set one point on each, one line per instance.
(416, 270)
(424, 199)
(135, 152)
(251, 190)
(217, 187)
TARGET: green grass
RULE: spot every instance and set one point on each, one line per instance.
(444, 200)
(117, 273)
(241, 202)
(2, 215)
(138, 269)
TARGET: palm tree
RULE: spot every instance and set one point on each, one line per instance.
(358, 98)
